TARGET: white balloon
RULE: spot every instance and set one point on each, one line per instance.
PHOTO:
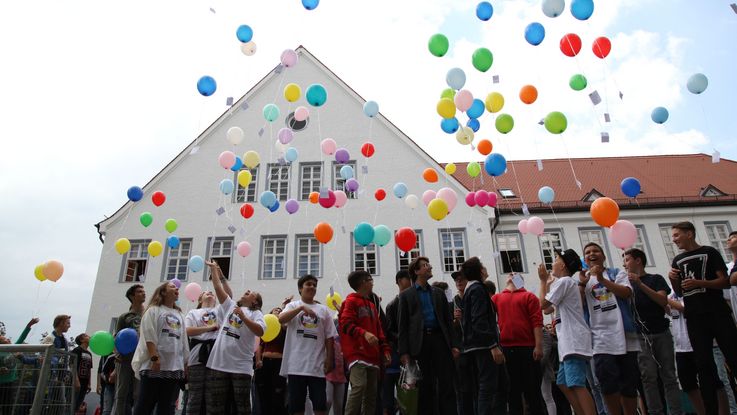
(412, 201)
(282, 148)
(234, 135)
(553, 8)
(248, 49)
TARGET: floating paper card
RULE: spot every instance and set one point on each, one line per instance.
(364, 169)
(279, 68)
(229, 101)
(539, 165)
(495, 79)
(232, 229)
(595, 98)
(525, 210)
(261, 132)
(604, 137)
(606, 117)
(244, 106)
(194, 150)
(220, 210)
(715, 157)
(518, 281)
(734, 7)
(324, 193)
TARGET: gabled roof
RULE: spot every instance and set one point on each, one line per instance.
(666, 181)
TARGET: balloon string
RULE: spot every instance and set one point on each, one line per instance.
(570, 163)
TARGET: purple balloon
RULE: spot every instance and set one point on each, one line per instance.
(342, 156)
(292, 206)
(351, 185)
(177, 283)
(285, 135)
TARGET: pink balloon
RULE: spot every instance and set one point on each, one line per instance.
(471, 199)
(623, 234)
(522, 226)
(463, 100)
(340, 198)
(301, 114)
(192, 291)
(449, 196)
(327, 202)
(226, 159)
(428, 196)
(535, 225)
(482, 198)
(492, 199)
(244, 249)
(289, 58)
(328, 146)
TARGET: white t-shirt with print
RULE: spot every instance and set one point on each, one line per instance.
(574, 336)
(304, 347)
(605, 317)
(235, 344)
(201, 317)
(164, 327)
(678, 328)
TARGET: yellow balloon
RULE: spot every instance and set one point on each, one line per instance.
(292, 92)
(450, 168)
(329, 300)
(437, 209)
(464, 135)
(38, 272)
(272, 328)
(494, 102)
(155, 248)
(244, 178)
(251, 159)
(122, 245)
(446, 108)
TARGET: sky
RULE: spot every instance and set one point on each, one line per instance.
(99, 96)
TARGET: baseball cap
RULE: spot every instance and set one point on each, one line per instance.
(571, 259)
(456, 274)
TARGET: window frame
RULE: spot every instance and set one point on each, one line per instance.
(262, 262)
(210, 243)
(668, 227)
(268, 181)
(302, 166)
(253, 186)
(337, 177)
(604, 242)
(297, 239)
(722, 245)
(523, 254)
(126, 257)
(365, 252)
(419, 247)
(562, 240)
(646, 245)
(464, 239)
(168, 257)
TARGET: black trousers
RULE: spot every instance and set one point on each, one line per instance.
(525, 378)
(270, 387)
(156, 393)
(437, 393)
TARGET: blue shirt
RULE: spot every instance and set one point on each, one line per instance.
(428, 311)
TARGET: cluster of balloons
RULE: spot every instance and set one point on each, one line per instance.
(244, 33)
(481, 198)
(533, 225)
(50, 270)
(580, 9)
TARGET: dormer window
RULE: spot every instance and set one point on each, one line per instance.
(592, 195)
(711, 191)
(507, 193)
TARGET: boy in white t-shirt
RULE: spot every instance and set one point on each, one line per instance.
(308, 348)
(574, 337)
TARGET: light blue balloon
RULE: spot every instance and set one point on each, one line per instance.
(449, 125)
(582, 9)
(473, 124)
(207, 86)
(172, 241)
(196, 263)
(271, 112)
(659, 115)
(477, 109)
(291, 154)
(316, 95)
(495, 164)
(371, 108)
(363, 233)
(382, 235)
(697, 83)
(546, 194)
(534, 33)
(227, 186)
(346, 172)
(267, 199)
(553, 8)
(456, 78)
(484, 10)
(400, 190)
(244, 33)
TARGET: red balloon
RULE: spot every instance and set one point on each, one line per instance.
(367, 149)
(570, 44)
(246, 210)
(327, 202)
(158, 198)
(601, 47)
(380, 194)
(405, 238)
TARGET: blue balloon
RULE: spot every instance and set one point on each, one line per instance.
(582, 9)
(473, 124)
(310, 4)
(659, 115)
(697, 83)
(291, 154)
(238, 164)
(534, 33)
(382, 235)
(316, 95)
(371, 108)
(495, 164)
(206, 86)
(196, 263)
(227, 186)
(477, 109)
(363, 233)
(346, 172)
(456, 78)
(449, 125)
(484, 10)
(244, 33)
(172, 241)
(135, 194)
(630, 187)
(400, 190)
(546, 194)
(267, 199)
(274, 207)
(126, 341)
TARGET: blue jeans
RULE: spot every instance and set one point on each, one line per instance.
(108, 399)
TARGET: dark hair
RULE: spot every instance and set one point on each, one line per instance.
(357, 277)
(440, 284)
(637, 254)
(456, 275)
(257, 304)
(60, 319)
(415, 265)
(472, 269)
(490, 287)
(78, 339)
(597, 247)
(732, 234)
(401, 274)
(131, 291)
(303, 279)
(685, 226)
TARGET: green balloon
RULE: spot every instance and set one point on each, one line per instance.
(482, 59)
(578, 82)
(102, 343)
(170, 225)
(438, 44)
(271, 112)
(473, 169)
(556, 122)
(146, 219)
(504, 123)
(449, 93)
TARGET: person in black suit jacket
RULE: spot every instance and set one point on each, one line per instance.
(426, 335)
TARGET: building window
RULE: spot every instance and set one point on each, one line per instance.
(273, 257)
(671, 249)
(310, 179)
(507, 193)
(248, 194)
(452, 249)
(717, 232)
(405, 258)
(294, 124)
(339, 182)
(549, 242)
(221, 251)
(365, 258)
(177, 259)
(308, 255)
(278, 180)
(642, 245)
(595, 235)
(510, 252)
(135, 261)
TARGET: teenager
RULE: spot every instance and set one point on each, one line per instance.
(126, 384)
(202, 329)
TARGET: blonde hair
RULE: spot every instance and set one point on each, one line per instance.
(157, 299)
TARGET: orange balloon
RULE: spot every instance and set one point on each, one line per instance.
(528, 94)
(323, 232)
(53, 270)
(314, 197)
(484, 147)
(605, 211)
(430, 175)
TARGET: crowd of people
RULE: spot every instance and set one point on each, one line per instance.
(621, 341)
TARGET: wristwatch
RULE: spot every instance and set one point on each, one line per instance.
(154, 358)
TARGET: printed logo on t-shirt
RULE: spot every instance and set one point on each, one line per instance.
(693, 267)
(173, 324)
(310, 325)
(235, 321)
(606, 298)
(209, 319)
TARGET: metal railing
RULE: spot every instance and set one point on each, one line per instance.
(36, 379)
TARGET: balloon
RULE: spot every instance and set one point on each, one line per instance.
(206, 86)
(494, 102)
(601, 47)
(316, 95)
(177, 283)
(556, 122)
(535, 225)
(171, 225)
(249, 49)
(570, 44)
(301, 114)
(328, 146)
(351, 185)
(427, 196)
(405, 238)
(528, 94)
(464, 135)
(582, 9)
(146, 219)
(495, 164)
(463, 100)
(135, 193)
(192, 291)
(226, 159)
(553, 8)
(477, 109)
(623, 234)
(492, 199)
(363, 233)
(430, 175)
(227, 186)
(382, 235)
(412, 201)
(697, 83)
(450, 168)
(346, 172)
(449, 197)
(534, 33)
(437, 209)
(340, 198)
(196, 263)
(630, 187)
(246, 210)
(329, 201)
(251, 159)
(449, 93)
(271, 112)
(380, 194)
(238, 164)
(244, 178)
(243, 248)
(504, 123)
(155, 248)
(332, 300)
(103, 344)
(342, 156)
(484, 147)
(244, 33)
(323, 232)
(368, 149)
(481, 198)
(122, 245)
(578, 82)
(370, 109)
(291, 154)
(234, 135)
(158, 198)
(274, 207)
(400, 190)
(314, 197)
(455, 78)
(482, 59)
(39, 273)
(289, 58)
(473, 169)
(546, 194)
(484, 10)
(522, 226)
(310, 5)
(438, 45)
(292, 206)
(604, 211)
(449, 125)
(471, 199)
(125, 341)
(173, 241)
(273, 328)
(292, 92)
(659, 115)
(267, 199)
(473, 124)
(446, 108)
(52, 270)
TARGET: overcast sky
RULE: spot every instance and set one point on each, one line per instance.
(99, 96)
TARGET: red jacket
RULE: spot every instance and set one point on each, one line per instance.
(358, 315)
(519, 314)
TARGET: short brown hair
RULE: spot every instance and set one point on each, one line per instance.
(357, 277)
(685, 226)
(60, 319)
(415, 265)
(472, 269)
(637, 254)
(440, 284)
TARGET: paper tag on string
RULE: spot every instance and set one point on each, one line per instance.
(242, 232)
(541, 122)
(578, 183)
(595, 98)
(518, 281)
(194, 150)
(604, 137)
(364, 169)
(606, 117)
(281, 160)
(539, 165)
(261, 132)
(229, 101)
(342, 228)
(220, 210)
(212, 10)
(734, 7)
(332, 291)
(621, 95)
(232, 228)
(525, 210)
(479, 230)
(495, 79)
(715, 157)
(473, 148)
(244, 106)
